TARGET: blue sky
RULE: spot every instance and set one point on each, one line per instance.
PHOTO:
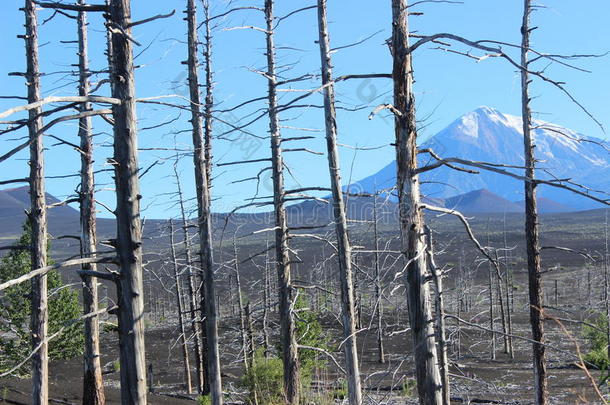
(447, 86)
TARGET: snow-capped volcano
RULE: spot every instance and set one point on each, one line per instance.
(488, 135)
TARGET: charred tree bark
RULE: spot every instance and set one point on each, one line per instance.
(413, 242)
(204, 218)
(129, 228)
(531, 222)
(180, 310)
(93, 387)
(292, 383)
(344, 250)
(37, 216)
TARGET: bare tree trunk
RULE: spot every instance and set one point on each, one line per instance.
(93, 387)
(192, 291)
(240, 305)
(180, 310)
(378, 297)
(492, 326)
(292, 383)
(500, 295)
(208, 301)
(249, 354)
(437, 277)
(507, 286)
(129, 230)
(531, 223)
(411, 216)
(266, 306)
(37, 216)
(607, 284)
(350, 348)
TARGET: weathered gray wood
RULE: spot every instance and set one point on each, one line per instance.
(240, 306)
(378, 297)
(93, 386)
(129, 227)
(180, 309)
(531, 222)
(193, 278)
(344, 252)
(38, 215)
(439, 299)
(292, 383)
(204, 216)
(411, 217)
(607, 283)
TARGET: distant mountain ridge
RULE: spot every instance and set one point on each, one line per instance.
(15, 201)
(488, 135)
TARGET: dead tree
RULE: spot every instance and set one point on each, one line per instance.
(129, 228)
(292, 383)
(240, 305)
(266, 303)
(204, 215)
(531, 221)
(492, 326)
(193, 278)
(37, 216)
(378, 297)
(180, 309)
(93, 387)
(343, 245)
(413, 244)
(606, 283)
(439, 298)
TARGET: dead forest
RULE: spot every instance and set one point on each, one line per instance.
(323, 294)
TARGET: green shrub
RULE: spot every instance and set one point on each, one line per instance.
(204, 400)
(597, 338)
(110, 327)
(409, 387)
(265, 380)
(308, 333)
(341, 391)
(15, 310)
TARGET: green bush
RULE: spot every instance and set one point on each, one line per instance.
(309, 333)
(15, 310)
(265, 380)
(597, 338)
(204, 400)
(409, 387)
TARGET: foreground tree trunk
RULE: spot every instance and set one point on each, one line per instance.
(531, 222)
(129, 228)
(204, 220)
(292, 383)
(413, 242)
(38, 216)
(343, 246)
(93, 387)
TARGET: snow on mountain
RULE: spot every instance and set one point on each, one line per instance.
(488, 135)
